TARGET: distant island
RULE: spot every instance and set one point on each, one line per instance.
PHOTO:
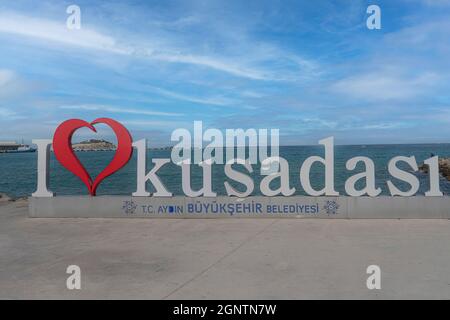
(94, 145)
(103, 145)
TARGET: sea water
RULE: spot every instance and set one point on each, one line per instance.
(18, 170)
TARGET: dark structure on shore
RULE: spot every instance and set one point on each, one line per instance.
(14, 147)
(9, 146)
(444, 167)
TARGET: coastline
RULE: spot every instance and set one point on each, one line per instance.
(4, 198)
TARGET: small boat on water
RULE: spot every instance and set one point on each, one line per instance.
(14, 147)
(23, 148)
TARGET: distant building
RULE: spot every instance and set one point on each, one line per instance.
(13, 147)
(9, 146)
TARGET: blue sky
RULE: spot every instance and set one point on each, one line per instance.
(310, 68)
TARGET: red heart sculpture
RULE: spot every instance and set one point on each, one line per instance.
(62, 147)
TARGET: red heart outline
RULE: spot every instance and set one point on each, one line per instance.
(62, 148)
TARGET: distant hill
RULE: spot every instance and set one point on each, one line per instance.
(94, 145)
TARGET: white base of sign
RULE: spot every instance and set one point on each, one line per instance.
(341, 207)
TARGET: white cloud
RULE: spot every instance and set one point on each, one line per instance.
(439, 115)
(6, 76)
(430, 37)
(381, 86)
(435, 3)
(57, 32)
(318, 123)
(6, 113)
(125, 110)
(212, 63)
(156, 123)
(252, 94)
(217, 100)
(89, 38)
(383, 126)
(157, 48)
(13, 86)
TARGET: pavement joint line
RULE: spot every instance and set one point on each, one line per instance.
(226, 255)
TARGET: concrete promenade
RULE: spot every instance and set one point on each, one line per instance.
(221, 258)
